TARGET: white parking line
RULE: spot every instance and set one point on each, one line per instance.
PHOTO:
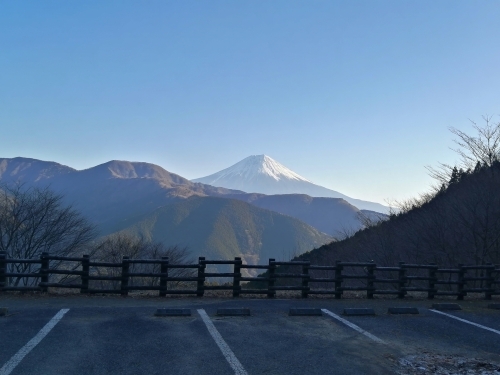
(18, 357)
(467, 321)
(353, 326)
(224, 348)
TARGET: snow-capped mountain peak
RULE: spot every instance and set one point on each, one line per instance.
(263, 174)
(256, 166)
(259, 174)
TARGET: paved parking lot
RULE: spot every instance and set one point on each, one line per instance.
(112, 335)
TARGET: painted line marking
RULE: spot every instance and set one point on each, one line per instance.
(18, 357)
(467, 321)
(224, 348)
(353, 326)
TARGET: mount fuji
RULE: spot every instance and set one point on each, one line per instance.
(263, 174)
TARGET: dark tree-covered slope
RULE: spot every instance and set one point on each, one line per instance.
(458, 224)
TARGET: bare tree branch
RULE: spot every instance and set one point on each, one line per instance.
(483, 148)
(34, 220)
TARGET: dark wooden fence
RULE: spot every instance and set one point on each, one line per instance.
(166, 278)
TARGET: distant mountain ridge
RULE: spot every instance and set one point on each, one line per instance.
(333, 216)
(30, 170)
(109, 192)
(117, 190)
(33, 170)
(147, 200)
(262, 174)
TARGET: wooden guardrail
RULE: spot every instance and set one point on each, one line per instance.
(166, 278)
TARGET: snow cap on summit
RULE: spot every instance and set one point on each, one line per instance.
(255, 165)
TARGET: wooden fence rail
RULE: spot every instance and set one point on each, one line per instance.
(167, 278)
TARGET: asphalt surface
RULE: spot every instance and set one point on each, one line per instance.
(114, 335)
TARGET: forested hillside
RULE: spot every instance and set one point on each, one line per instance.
(219, 228)
(458, 222)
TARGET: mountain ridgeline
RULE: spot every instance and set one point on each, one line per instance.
(110, 192)
(146, 200)
(333, 216)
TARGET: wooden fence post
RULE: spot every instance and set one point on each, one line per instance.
(200, 288)
(489, 281)
(401, 280)
(461, 282)
(338, 279)
(85, 274)
(163, 277)
(125, 270)
(305, 280)
(270, 284)
(432, 281)
(237, 276)
(3, 270)
(370, 285)
(44, 271)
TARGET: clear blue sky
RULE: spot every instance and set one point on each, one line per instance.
(356, 96)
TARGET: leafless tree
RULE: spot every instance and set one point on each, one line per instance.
(371, 220)
(484, 147)
(35, 220)
(114, 247)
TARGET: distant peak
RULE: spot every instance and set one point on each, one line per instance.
(258, 165)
